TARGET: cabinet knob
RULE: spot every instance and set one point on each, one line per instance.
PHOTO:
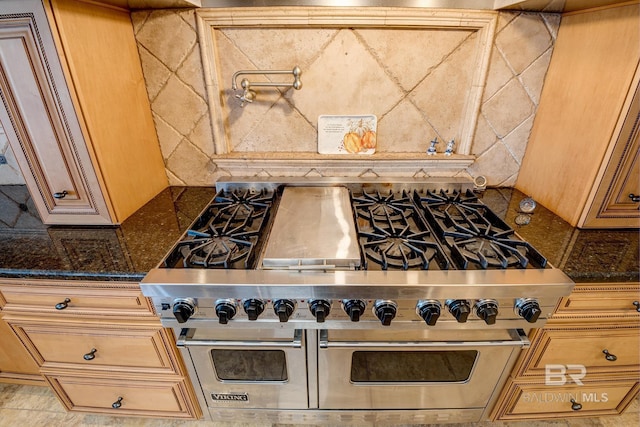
(610, 357)
(117, 403)
(60, 194)
(634, 197)
(64, 304)
(91, 355)
(637, 305)
(575, 405)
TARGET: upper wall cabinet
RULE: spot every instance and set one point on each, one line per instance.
(76, 112)
(582, 157)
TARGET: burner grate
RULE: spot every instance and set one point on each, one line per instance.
(392, 235)
(226, 234)
(476, 236)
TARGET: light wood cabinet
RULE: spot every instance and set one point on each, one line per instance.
(97, 342)
(594, 399)
(76, 111)
(122, 396)
(16, 366)
(582, 160)
(588, 352)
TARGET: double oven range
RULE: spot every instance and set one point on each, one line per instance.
(351, 301)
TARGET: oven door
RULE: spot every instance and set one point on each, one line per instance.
(413, 369)
(248, 368)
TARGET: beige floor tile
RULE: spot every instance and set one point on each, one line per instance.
(32, 406)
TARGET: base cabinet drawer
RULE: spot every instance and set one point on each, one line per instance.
(528, 401)
(610, 351)
(600, 301)
(134, 348)
(55, 298)
(123, 397)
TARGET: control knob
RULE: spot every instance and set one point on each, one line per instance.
(385, 311)
(253, 308)
(284, 308)
(429, 310)
(459, 308)
(183, 309)
(320, 309)
(225, 310)
(487, 310)
(528, 309)
(354, 308)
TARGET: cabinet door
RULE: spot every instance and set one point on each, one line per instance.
(617, 199)
(40, 121)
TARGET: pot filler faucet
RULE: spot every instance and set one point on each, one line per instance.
(248, 95)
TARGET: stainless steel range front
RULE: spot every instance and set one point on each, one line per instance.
(351, 301)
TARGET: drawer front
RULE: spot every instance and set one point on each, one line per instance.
(600, 350)
(128, 347)
(526, 401)
(124, 397)
(601, 302)
(62, 299)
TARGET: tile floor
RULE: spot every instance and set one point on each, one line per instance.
(31, 406)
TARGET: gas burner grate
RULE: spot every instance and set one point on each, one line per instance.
(476, 236)
(392, 235)
(225, 235)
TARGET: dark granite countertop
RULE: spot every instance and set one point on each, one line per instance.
(126, 252)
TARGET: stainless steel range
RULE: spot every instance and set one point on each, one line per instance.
(351, 301)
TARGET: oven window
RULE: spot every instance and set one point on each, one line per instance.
(412, 366)
(250, 365)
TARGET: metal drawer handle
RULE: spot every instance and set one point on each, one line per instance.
(575, 405)
(60, 194)
(637, 305)
(634, 198)
(117, 403)
(519, 339)
(610, 357)
(91, 355)
(64, 304)
(185, 340)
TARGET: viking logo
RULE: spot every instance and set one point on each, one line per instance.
(242, 397)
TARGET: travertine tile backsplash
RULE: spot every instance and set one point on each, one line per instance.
(416, 81)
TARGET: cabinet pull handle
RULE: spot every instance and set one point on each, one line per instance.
(634, 197)
(60, 194)
(117, 403)
(64, 304)
(91, 355)
(575, 405)
(637, 305)
(610, 357)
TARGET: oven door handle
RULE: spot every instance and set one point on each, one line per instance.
(519, 339)
(186, 340)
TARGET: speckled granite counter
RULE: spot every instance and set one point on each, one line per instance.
(126, 252)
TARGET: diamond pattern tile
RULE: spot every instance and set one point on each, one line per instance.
(167, 36)
(279, 48)
(415, 81)
(442, 95)
(428, 48)
(346, 79)
(405, 130)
